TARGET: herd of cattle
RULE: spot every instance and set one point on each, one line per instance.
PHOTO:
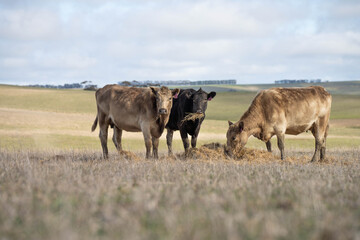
(276, 111)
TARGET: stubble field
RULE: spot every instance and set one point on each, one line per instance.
(54, 184)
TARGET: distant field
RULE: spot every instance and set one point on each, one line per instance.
(61, 119)
(345, 87)
(53, 100)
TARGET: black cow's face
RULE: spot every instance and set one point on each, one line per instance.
(200, 99)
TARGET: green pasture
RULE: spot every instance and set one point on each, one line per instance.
(69, 142)
(69, 114)
(225, 106)
(54, 100)
(344, 87)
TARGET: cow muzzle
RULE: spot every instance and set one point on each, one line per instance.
(228, 152)
(163, 111)
(199, 111)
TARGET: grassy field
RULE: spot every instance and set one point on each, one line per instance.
(61, 119)
(76, 195)
(54, 184)
(344, 87)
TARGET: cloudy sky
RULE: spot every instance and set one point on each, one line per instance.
(103, 41)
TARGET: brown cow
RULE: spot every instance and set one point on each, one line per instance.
(133, 110)
(280, 111)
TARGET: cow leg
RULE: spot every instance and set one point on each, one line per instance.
(169, 138)
(147, 139)
(268, 146)
(193, 141)
(317, 150)
(155, 144)
(117, 138)
(195, 136)
(315, 132)
(103, 134)
(280, 142)
(319, 130)
(185, 140)
(323, 147)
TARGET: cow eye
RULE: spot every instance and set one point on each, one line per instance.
(233, 138)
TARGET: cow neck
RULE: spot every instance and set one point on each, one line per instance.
(160, 123)
(251, 120)
(162, 119)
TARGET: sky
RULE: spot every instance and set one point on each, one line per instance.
(57, 42)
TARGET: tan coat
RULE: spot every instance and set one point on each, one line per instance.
(133, 109)
(280, 111)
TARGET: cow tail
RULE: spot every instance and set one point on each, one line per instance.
(94, 124)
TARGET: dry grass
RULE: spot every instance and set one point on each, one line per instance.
(215, 150)
(77, 195)
(192, 117)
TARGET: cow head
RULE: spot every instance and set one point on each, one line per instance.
(164, 98)
(236, 137)
(200, 99)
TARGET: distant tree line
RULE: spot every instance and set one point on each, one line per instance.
(287, 81)
(66, 85)
(85, 85)
(147, 83)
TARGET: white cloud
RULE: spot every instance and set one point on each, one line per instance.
(14, 62)
(105, 41)
(325, 44)
(29, 25)
(63, 61)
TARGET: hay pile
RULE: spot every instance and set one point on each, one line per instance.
(250, 154)
(215, 151)
(128, 155)
(192, 117)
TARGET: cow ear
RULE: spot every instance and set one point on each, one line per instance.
(241, 126)
(154, 90)
(230, 123)
(175, 93)
(211, 96)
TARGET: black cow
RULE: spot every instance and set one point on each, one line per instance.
(188, 101)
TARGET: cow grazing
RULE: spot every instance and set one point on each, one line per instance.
(134, 110)
(189, 101)
(280, 111)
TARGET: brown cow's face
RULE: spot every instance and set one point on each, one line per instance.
(236, 138)
(164, 98)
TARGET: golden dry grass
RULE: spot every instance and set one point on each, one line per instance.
(192, 117)
(77, 195)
